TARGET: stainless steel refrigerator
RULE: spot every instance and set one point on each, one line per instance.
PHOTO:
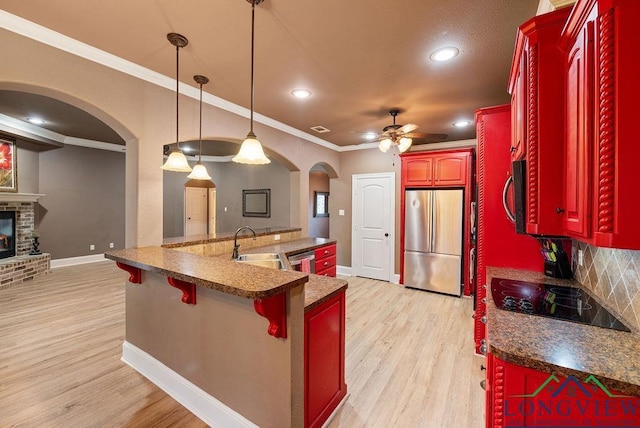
(433, 240)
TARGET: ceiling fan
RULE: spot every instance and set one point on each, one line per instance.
(401, 136)
(398, 135)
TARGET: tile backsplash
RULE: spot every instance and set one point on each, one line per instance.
(613, 275)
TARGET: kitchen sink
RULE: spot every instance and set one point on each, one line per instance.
(269, 260)
(260, 256)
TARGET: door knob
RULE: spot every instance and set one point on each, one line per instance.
(386, 234)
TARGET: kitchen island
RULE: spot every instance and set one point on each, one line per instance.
(526, 350)
(226, 339)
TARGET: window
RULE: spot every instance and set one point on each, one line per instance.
(321, 204)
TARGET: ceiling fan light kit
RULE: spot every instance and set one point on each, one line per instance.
(177, 161)
(251, 150)
(396, 135)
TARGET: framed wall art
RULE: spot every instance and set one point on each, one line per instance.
(8, 166)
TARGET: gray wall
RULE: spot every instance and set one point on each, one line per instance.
(318, 226)
(84, 202)
(230, 179)
(28, 173)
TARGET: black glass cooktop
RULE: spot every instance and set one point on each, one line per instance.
(553, 301)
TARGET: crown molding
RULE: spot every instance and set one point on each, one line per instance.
(56, 40)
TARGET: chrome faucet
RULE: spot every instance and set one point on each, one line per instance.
(235, 254)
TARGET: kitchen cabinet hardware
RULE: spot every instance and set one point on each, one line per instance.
(483, 384)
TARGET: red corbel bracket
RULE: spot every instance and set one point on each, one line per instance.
(188, 289)
(275, 310)
(135, 274)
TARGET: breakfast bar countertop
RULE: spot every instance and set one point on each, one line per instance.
(561, 347)
(217, 273)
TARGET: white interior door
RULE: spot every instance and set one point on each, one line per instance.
(373, 222)
(195, 211)
(212, 211)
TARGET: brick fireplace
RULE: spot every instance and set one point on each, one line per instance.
(22, 267)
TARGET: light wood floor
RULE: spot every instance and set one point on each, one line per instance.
(409, 358)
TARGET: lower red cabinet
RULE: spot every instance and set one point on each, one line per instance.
(521, 396)
(324, 384)
(326, 260)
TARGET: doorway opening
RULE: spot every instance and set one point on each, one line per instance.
(318, 202)
(199, 207)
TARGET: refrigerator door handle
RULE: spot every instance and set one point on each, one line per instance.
(505, 191)
(433, 214)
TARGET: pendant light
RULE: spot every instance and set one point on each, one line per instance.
(251, 150)
(200, 171)
(177, 161)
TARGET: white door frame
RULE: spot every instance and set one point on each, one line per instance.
(392, 221)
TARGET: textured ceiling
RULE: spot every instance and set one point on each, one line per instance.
(359, 58)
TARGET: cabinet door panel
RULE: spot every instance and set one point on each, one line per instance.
(450, 170)
(419, 172)
(579, 138)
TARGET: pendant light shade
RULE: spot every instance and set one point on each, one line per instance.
(177, 161)
(251, 150)
(200, 171)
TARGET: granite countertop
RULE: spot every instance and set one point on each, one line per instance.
(181, 241)
(217, 273)
(562, 347)
(240, 279)
(290, 248)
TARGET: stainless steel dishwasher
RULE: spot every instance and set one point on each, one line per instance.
(297, 261)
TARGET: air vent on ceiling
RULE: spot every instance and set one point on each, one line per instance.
(320, 129)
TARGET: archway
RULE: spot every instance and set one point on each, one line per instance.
(319, 192)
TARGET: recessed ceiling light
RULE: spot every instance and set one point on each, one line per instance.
(461, 123)
(444, 54)
(36, 120)
(301, 93)
(370, 136)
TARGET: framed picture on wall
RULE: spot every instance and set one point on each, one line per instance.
(8, 166)
(321, 204)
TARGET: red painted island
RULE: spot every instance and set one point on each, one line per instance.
(237, 344)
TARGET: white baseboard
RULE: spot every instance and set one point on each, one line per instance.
(72, 261)
(204, 406)
(343, 270)
(348, 271)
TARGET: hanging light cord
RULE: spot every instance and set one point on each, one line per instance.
(200, 135)
(177, 92)
(253, 20)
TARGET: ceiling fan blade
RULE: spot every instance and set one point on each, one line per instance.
(407, 128)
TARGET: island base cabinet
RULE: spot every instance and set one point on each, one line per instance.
(521, 396)
(325, 387)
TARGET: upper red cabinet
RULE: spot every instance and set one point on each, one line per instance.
(601, 152)
(537, 119)
(429, 169)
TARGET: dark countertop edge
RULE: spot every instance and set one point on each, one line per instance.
(184, 241)
(518, 358)
(228, 289)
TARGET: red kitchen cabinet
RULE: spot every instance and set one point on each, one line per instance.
(418, 171)
(324, 382)
(537, 120)
(601, 152)
(521, 396)
(424, 169)
(326, 260)
(497, 242)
